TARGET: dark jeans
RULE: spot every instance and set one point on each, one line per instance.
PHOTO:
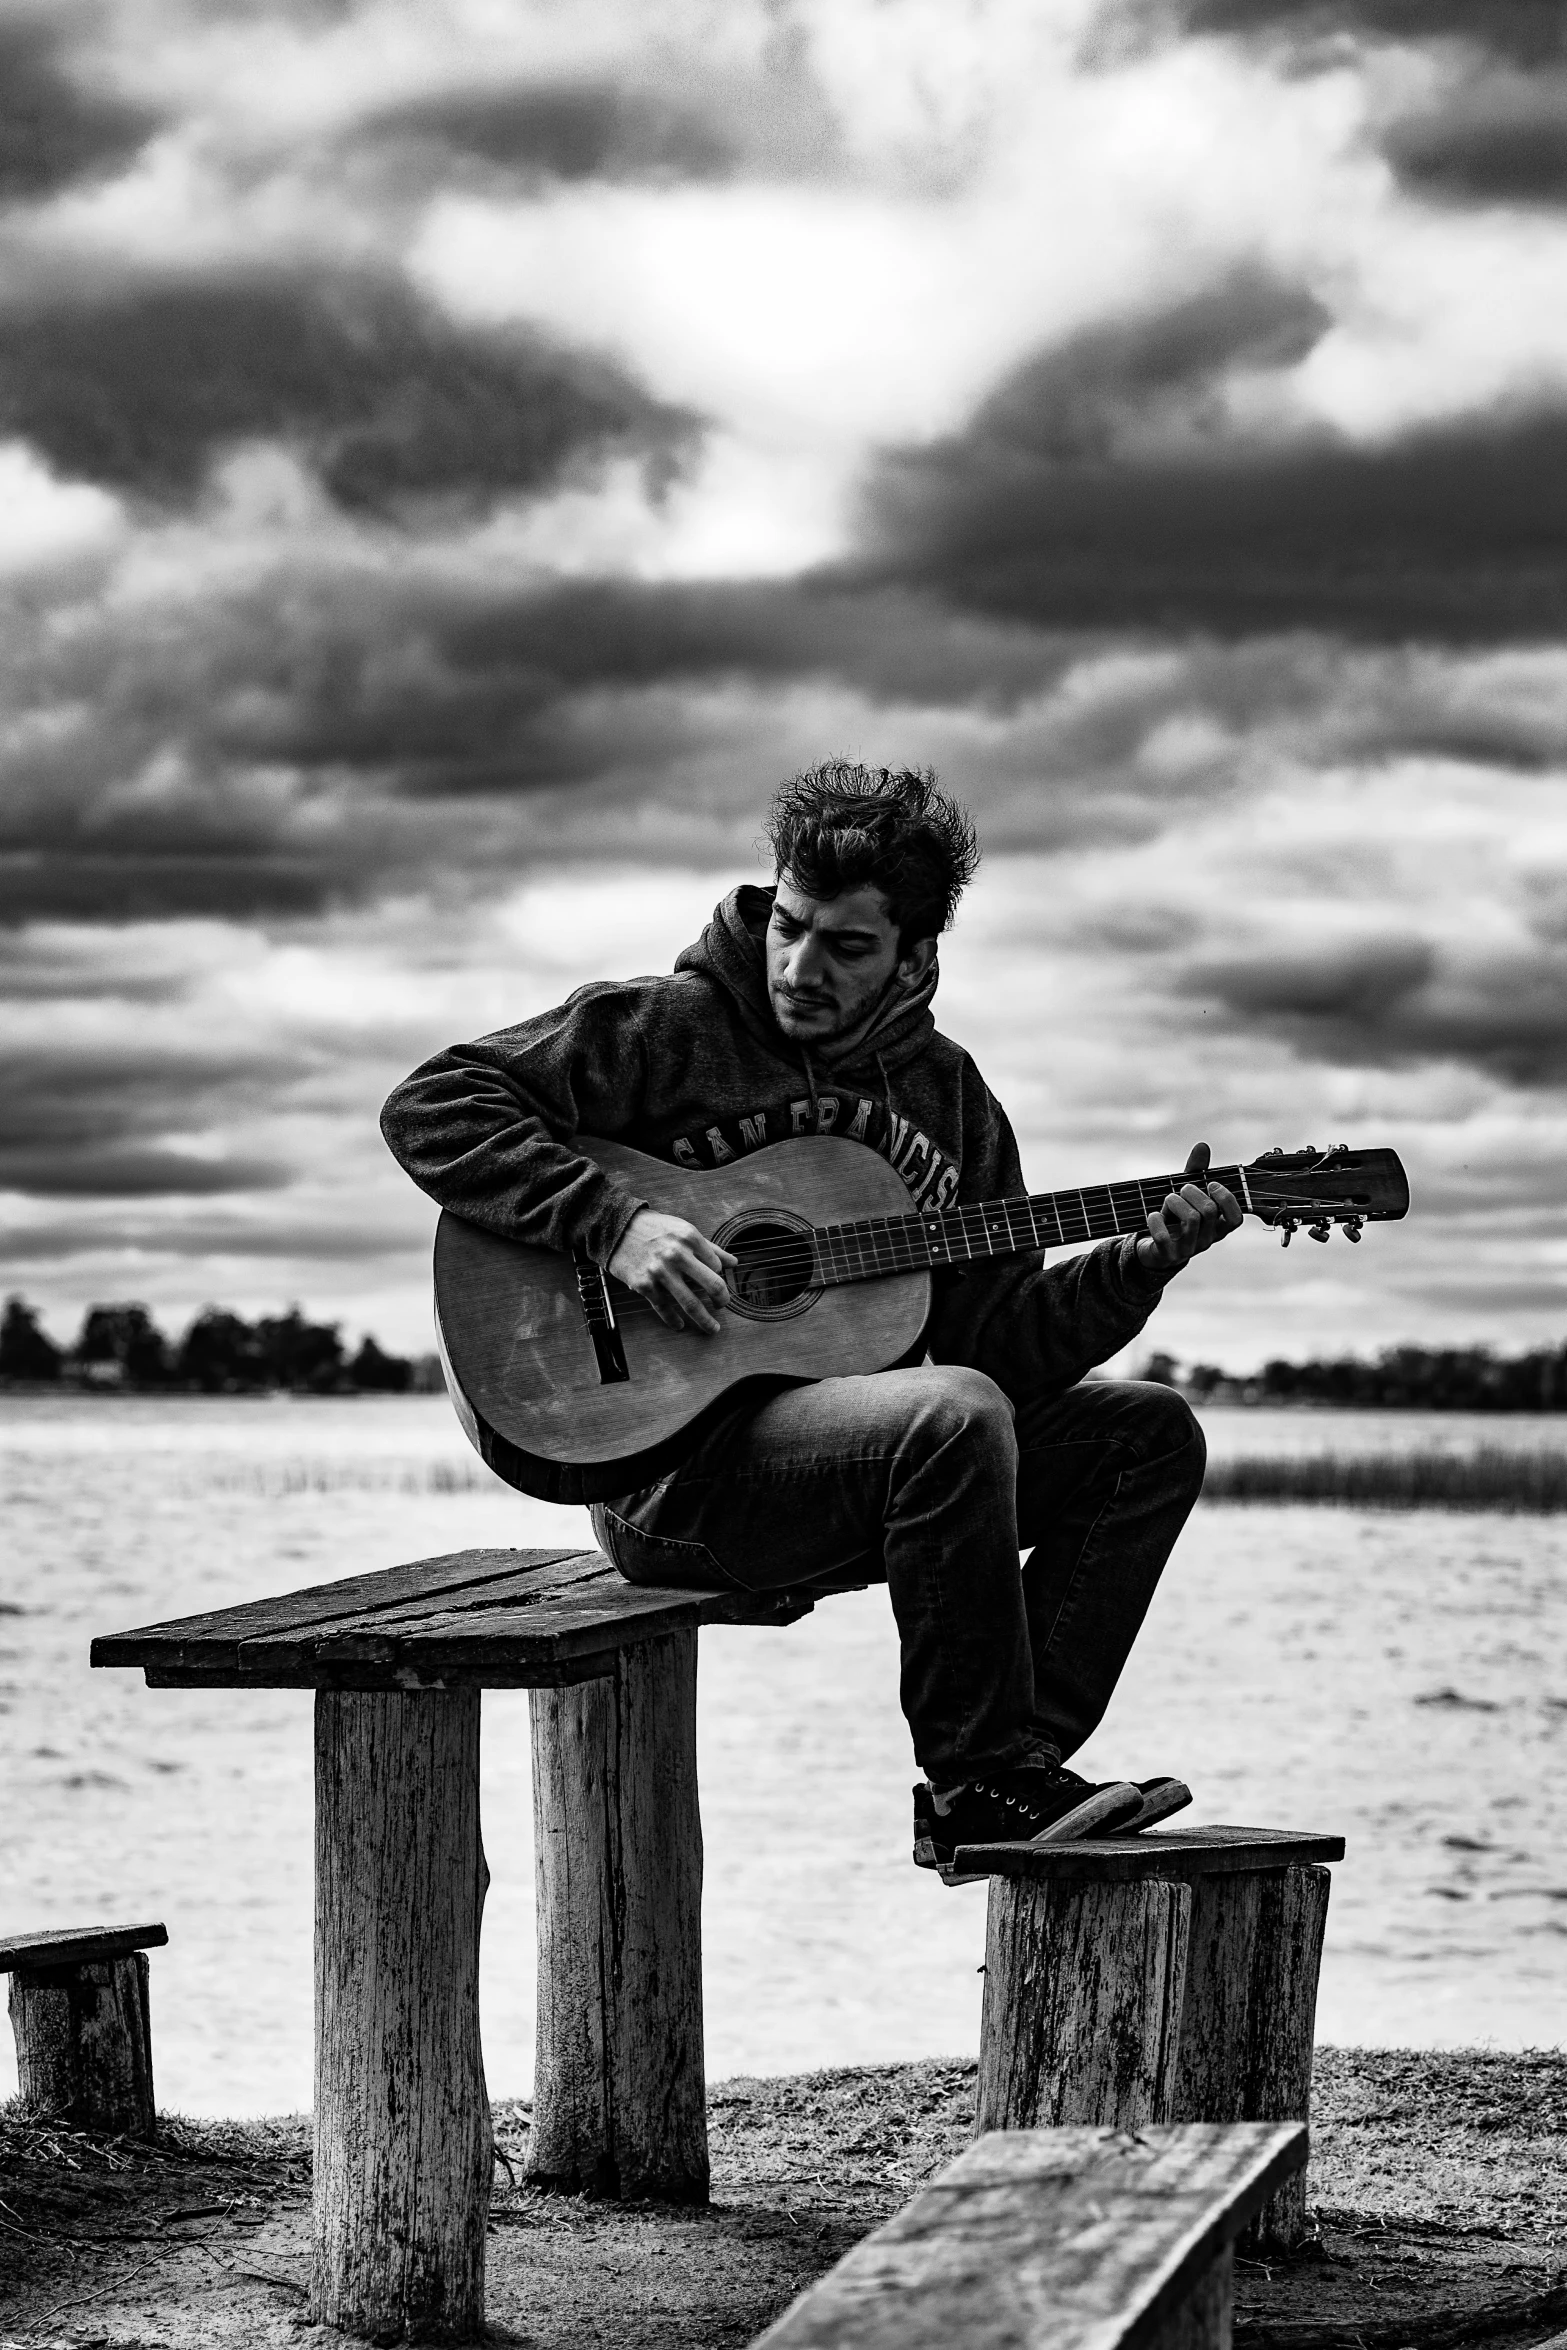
(929, 1479)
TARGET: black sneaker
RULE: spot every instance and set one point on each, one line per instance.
(1033, 1804)
(1160, 1797)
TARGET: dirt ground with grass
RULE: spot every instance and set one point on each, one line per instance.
(1438, 2185)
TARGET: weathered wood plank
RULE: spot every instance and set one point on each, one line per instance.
(558, 1673)
(580, 1573)
(1176, 1853)
(1084, 1987)
(387, 1587)
(558, 1624)
(555, 1620)
(1066, 2239)
(73, 1945)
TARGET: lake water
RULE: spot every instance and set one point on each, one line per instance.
(1401, 1679)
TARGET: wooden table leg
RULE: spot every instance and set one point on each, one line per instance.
(402, 2138)
(620, 2093)
(1084, 1985)
(1250, 2015)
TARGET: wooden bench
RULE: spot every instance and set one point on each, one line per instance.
(1166, 1977)
(1064, 2239)
(397, 1660)
(80, 2012)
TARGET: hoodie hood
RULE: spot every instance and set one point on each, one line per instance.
(731, 952)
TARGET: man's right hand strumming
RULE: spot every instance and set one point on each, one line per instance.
(676, 1268)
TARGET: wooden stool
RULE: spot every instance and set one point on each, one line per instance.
(1165, 1977)
(1072, 2239)
(80, 2013)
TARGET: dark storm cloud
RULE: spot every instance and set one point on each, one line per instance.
(1099, 486)
(274, 751)
(57, 1239)
(568, 131)
(100, 1171)
(140, 386)
(60, 1094)
(55, 129)
(1400, 1001)
(67, 882)
(321, 739)
(663, 121)
(1529, 31)
(1498, 139)
(92, 1121)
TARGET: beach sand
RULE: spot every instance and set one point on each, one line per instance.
(1438, 2185)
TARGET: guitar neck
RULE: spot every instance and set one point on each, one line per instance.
(994, 1228)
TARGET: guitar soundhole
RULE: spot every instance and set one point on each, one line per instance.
(773, 1278)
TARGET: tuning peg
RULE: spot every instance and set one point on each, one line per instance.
(1353, 1227)
(1288, 1227)
(1319, 1231)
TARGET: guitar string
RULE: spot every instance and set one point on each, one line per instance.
(983, 1221)
(871, 1235)
(780, 1257)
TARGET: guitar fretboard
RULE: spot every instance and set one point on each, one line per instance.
(993, 1228)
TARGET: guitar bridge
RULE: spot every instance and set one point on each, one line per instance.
(599, 1314)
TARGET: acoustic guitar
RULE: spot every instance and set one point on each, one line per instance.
(572, 1389)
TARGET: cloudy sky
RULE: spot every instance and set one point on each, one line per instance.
(457, 455)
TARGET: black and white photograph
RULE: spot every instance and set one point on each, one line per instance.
(783, 1179)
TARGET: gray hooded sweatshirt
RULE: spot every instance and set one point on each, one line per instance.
(693, 1068)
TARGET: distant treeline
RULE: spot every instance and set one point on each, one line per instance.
(1416, 1378)
(120, 1348)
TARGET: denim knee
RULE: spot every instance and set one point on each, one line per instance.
(1168, 1430)
(958, 1405)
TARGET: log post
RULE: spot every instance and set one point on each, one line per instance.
(84, 2043)
(1250, 2014)
(402, 2129)
(620, 2093)
(1084, 1985)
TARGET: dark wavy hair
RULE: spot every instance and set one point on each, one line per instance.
(838, 827)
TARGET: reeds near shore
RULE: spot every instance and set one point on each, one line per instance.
(277, 1480)
(1493, 1477)
(1490, 1478)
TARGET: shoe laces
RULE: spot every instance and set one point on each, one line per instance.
(1012, 1802)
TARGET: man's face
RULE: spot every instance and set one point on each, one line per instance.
(830, 959)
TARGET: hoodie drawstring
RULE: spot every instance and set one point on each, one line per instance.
(886, 1101)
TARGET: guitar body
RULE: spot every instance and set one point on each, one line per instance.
(529, 1385)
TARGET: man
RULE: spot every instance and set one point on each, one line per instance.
(806, 1009)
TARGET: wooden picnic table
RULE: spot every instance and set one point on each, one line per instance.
(397, 1660)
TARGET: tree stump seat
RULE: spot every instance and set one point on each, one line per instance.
(1142, 1980)
(82, 2020)
(397, 1660)
(1058, 2239)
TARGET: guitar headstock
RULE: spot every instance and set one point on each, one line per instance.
(1322, 1188)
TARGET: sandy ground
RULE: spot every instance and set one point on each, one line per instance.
(1439, 2185)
